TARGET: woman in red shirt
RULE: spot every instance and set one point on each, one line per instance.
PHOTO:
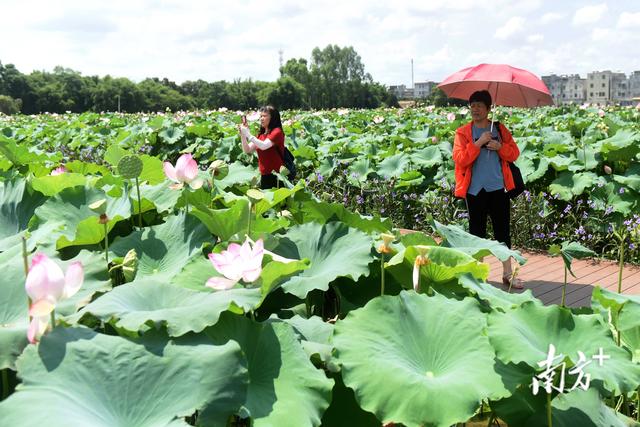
(270, 138)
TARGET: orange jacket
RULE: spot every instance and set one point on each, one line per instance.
(465, 153)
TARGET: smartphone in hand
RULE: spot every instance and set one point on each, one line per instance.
(244, 121)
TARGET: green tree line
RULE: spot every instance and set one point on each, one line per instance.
(335, 77)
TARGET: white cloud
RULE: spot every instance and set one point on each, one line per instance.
(551, 17)
(600, 34)
(535, 38)
(512, 27)
(589, 14)
(629, 20)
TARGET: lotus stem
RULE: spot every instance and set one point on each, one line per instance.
(249, 222)
(549, 420)
(564, 286)
(621, 266)
(25, 258)
(106, 244)
(5, 383)
(381, 273)
(139, 203)
(53, 319)
(638, 404)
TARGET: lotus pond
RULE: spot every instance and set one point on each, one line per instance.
(137, 293)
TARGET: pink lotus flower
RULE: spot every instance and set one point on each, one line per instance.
(185, 172)
(378, 119)
(237, 262)
(434, 139)
(463, 111)
(58, 171)
(46, 285)
(430, 108)
(451, 116)
(253, 116)
(601, 112)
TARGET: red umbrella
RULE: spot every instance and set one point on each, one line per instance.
(509, 86)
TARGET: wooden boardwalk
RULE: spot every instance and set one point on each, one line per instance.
(544, 275)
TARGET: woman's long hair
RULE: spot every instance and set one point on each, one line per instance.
(275, 121)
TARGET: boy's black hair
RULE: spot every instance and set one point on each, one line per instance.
(481, 96)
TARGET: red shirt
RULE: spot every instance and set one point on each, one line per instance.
(269, 160)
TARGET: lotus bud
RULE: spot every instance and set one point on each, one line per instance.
(607, 170)
(384, 248)
(219, 169)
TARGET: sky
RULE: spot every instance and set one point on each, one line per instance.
(226, 40)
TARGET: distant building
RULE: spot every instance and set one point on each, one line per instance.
(423, 89)
(566, 89)
(634, 85)
(401, 91)
(607, 87)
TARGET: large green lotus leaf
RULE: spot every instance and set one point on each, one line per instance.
(19, 154)
(84, 168)
(284, 387)
(444, 265)
(343, 402)
(51, 185)
(570, 250)
(530, 172)
(586, 159)
(13, 307)
(157, 197)
(224, 223)
(631, 178)
(136, 305)
(393, 166)
(334, 250)
(622, 146)
(152, 171)
(77, 377)
(577, 408)
(623, 312)
(477, 247)
(171, 134)
(163, 250)
(495, 297)
(17, 205)
(238, 174)
(427, 157)
(524, 334)
(274, 198)
(418, 360)
(609, 195)
(315, 336)
(569, 184)
(360, 170)
(561, 162)
(70, 210)
(323, 212)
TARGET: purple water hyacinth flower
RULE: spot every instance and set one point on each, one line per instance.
(608, 210)
(621, 191)
(632, 246)
(359, 199)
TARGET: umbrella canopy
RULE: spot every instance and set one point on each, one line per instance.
(509, 86)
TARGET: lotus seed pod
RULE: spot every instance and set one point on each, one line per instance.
(219, 169)
(130, 167)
